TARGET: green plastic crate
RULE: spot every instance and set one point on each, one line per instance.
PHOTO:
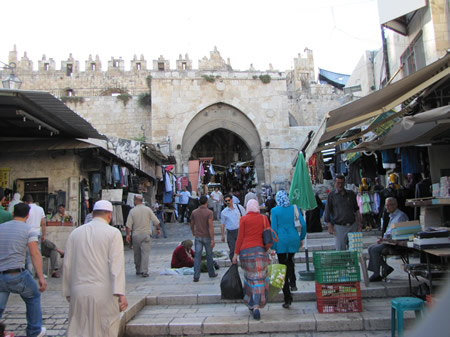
(336, 266)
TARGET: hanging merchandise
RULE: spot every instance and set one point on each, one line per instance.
(211, 170)
(167, 182)
(410, 159)
(389, 158)
(125, 175)
(108, 175)
(96, 182)
(115, 174)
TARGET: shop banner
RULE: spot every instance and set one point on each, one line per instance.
(4, 177)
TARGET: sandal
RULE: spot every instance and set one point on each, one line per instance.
(55, 274)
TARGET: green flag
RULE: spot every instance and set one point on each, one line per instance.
(301, 192)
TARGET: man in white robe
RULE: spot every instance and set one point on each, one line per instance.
(94, 276)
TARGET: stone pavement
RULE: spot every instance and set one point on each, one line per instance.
(178, 300)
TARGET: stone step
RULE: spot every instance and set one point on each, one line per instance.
(229, 318)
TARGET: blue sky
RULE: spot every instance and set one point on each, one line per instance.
(246, 31)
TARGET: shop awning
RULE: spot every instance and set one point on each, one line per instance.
(40, 145)
(356, 113)
(425, 128)
(39, 114)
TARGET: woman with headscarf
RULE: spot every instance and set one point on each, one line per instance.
(15, 200)
(183, 255)
(289, 241)
(253, 258)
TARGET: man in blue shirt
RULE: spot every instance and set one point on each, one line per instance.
(15, 236)
(184, 200)
(375, 251)
(229, 218)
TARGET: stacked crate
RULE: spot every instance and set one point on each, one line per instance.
(337, 276)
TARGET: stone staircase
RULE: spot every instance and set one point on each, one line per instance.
(197, 309)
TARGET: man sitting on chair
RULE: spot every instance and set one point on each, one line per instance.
(375, 251)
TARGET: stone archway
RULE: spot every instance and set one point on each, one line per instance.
(224, 116)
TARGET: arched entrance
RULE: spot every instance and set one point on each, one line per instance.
(223, 132)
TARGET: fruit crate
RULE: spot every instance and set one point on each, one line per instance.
(336, 266)
(339, 305)
(338, 297)
(325, 291)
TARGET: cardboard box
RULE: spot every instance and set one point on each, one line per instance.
(436, 190)
(405, 224)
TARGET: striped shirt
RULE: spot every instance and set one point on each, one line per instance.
(14, 238)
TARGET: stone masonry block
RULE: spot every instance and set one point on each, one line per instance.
(186, 326)
(339, 322)
(228, 325)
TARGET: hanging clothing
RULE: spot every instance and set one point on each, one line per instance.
(117, 219)
(167, 183)
(125, 174)
(96, 182)
(116, 173)
(389, 158)
(108, 175)
(410, 159)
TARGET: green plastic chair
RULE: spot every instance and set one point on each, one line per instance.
(399, 306)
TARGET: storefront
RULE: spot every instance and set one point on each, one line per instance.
(397, 137)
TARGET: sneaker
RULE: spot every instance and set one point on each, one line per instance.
(195, 279)
(144, 275)
(256, 314)
(294, 288)
(43, 332)
(215, 275)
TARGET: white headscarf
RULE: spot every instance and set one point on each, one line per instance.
(13, 202)
(252, 206)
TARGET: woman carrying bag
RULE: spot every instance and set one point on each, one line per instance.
(283, 218)
(253, 258)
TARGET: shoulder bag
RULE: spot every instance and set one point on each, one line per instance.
(269, 235)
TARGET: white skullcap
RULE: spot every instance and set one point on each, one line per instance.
(103, 205)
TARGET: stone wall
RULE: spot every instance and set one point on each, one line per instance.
(111, 117)
(57, 166)
(280, 108)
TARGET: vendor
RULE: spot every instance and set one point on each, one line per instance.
(61, 215)
(183, 255)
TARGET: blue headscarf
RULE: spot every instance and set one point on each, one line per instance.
(282, 199)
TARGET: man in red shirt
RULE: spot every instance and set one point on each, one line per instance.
(203, 230)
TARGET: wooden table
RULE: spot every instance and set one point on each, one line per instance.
(443, 253)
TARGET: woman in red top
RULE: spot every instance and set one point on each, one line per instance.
(183, 255)
(253, 258)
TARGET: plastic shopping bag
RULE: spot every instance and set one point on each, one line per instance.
(277, 275)
(231, 285)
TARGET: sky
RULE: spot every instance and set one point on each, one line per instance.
(257, 32)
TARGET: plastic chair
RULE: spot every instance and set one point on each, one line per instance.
(399, 306)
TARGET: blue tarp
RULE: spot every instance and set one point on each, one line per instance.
(335, 79)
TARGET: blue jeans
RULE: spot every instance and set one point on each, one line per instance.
(199, 244)
(232, 236)
(24, 285)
